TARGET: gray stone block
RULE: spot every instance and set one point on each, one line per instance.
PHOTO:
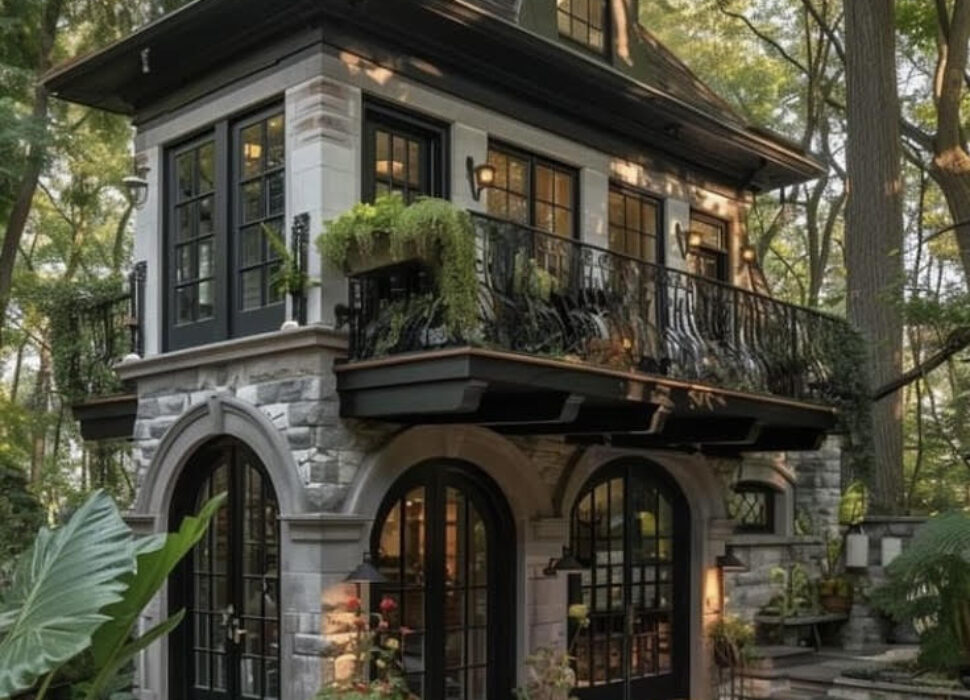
(299, 438)
(148, 409)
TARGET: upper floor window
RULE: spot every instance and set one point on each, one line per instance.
(536, 192)
(403, 154)
(752, 507)
(634, 224)
(710, 258)
(533, 191)
(583, 21)
(225, 199)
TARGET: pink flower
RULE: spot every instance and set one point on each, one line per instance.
(353, 603)
(406, 630)
(360, 623)
(382, 625)
(387, 605)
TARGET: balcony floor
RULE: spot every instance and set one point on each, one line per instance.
(524, 394)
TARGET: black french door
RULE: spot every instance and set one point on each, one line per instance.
(444, 539)
(227, 646)
(630, 527)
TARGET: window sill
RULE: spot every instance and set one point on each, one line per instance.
(304, 337)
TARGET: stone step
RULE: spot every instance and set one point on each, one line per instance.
(780, 656)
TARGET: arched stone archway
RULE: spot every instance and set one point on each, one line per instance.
(220, 415)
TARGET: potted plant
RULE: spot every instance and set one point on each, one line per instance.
(732, 640)
(549, 671)
(434, 231)
(833, 586)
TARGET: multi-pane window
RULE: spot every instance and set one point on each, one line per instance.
(634, 224)
(438, 543)
(194, 224)
(225, 228)
(533, 191)
(709, 258)
(261, 194)
(629, 528)
(751, 506)
(583, 21)
(403, 154)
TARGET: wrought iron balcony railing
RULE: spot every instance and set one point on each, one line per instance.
(101, 334)
(545, 295)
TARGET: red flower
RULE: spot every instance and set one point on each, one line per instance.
(353, 603)
(387, 605)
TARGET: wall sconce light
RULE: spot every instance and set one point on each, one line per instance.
(365, 573)
(136, 186)
(479, 177)
(748, 254)
(729, 562)
(567, 562)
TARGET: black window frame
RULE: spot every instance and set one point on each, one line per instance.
(626, 190)
(721, 256)
(267, 316)
(435, 476)
(607, 31)
(767, 525)
(225, 323)
(534, 160)
(434, 133)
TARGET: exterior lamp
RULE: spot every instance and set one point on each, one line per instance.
(136, 186)
(479, 177)
(729, 562)
(567, 562)
(749, 254)
(694, 240)
(366, 573)
(687, 240)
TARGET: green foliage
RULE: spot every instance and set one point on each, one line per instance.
(354, 230)
(288, 278)
(432, 229)
(59, 588)
(929, 585)
(75, 596)
(79, 371)
(20, 513)
(795, 595)
(732, 640)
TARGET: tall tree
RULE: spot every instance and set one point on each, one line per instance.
(874, 224)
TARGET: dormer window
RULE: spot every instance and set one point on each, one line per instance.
(583, 21)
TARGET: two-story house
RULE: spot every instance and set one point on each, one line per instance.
(597, 416)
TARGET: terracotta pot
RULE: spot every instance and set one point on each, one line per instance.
(835, 603)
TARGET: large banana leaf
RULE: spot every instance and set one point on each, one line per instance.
(112, 645)
(59, 589)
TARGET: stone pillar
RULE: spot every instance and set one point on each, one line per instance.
(818, 487)
(867, 626)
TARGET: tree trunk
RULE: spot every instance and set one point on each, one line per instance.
(874, 226)
(41, 407)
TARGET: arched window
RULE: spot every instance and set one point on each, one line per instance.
(228, 645)
(444, 538)
(630, 526)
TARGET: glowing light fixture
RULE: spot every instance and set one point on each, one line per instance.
(479, 177)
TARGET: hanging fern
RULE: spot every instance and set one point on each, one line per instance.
(929, 585)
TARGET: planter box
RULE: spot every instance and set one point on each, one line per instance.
(379, 256)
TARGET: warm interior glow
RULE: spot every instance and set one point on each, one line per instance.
(252, 151)
(394, 168)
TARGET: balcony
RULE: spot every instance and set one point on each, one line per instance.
(102, 332)
(576, 340)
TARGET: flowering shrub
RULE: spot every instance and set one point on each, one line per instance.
(378, 669)
(550, 670)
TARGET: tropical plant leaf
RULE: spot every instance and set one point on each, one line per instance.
(155, 563)
(59, 589)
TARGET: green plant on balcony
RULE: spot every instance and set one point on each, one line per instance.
(83, 356)
(431, 230)
(795, 596)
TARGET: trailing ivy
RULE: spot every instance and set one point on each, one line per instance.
(82, 363)
(433, 230)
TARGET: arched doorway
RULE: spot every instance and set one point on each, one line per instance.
(630, 526)
(228, 645)
(444, 537)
